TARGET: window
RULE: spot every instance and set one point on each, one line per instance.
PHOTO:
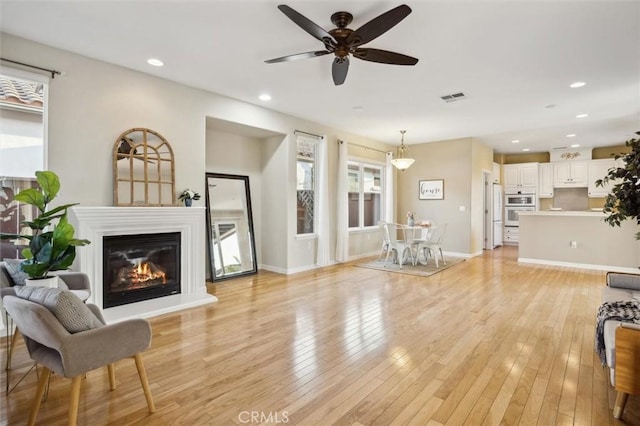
(365, 182)
(306, 184)
(22, 148)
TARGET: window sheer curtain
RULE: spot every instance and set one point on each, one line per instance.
(342, 217)
(322, 256)
(388, 194)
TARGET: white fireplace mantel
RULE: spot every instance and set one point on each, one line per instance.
(93, 223)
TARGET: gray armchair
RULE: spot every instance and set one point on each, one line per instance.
(73, 354)
(77, 282)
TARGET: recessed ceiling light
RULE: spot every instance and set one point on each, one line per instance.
(155, 62)
(575, 145)
(526, 149)
(264, 97)
(571, 135)
(577, 84)
(515, 141)
(582, 115)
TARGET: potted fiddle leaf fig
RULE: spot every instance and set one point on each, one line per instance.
(52, 245)
(623, 202)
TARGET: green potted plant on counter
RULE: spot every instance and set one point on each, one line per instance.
(623, 202)
(52, 246)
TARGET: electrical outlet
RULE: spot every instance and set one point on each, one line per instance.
(573, 244)
(463, 208)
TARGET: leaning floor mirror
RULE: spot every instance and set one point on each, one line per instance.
(232, 250)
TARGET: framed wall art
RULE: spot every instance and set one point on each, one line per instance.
(431, 189)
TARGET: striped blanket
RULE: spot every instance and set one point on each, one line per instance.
(620, 311)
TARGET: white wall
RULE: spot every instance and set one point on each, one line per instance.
(94, 102)
(481, 161)
(449, 160)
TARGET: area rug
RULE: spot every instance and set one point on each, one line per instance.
(419, 269)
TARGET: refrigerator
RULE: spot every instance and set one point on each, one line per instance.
(496, 216)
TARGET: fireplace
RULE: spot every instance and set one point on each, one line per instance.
(99, 222)
(140, 267)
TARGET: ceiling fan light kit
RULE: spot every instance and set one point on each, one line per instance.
(401, 162)
(344, 42)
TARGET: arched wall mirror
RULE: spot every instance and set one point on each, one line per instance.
(232, 250)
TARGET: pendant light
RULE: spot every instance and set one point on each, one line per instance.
(401, 162)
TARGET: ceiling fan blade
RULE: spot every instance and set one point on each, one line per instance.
(307, 25)
(378, 26)
(339, 70)
(384, 57)
(298, 56)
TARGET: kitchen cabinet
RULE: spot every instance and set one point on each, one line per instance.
(496, 173)
(597, 170)
(545, 180)
(520, 177)
(570, 174)
(511, 234)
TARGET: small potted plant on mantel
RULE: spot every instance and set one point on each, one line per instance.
(52, 246)
(623, 202)
(188, 196)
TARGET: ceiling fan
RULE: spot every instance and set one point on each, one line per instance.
(343, 41)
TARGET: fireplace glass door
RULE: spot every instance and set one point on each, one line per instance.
(140, 267)
(230, 226)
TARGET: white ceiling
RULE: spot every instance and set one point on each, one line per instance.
(511, 58)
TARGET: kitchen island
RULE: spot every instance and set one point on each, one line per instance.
(579, 239)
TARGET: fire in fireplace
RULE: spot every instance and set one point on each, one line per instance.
(140, 267)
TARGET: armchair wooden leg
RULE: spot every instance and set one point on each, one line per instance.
(44, 379)
(621, 401)
(75, 400)
(14, 340)
(112, 376)
(145, 383)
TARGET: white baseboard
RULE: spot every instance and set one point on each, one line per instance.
(579, 265)
(462, 255)
(285, 271)
(363, 255)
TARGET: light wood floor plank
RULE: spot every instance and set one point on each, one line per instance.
(488, 341)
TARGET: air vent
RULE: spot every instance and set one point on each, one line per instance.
(559, 147)
(453, 97)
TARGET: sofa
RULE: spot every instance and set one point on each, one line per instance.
(622, 340)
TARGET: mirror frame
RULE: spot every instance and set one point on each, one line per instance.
(210, 245)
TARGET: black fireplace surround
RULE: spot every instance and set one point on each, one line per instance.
(140, 267)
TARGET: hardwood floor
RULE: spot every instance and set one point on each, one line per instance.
(486, 342)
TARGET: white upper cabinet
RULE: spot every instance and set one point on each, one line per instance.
(545, 180)
(570, 174)
(520, 177)
(597, 170)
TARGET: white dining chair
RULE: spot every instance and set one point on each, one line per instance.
(385, 239)
(433, 245)
(398, 247)
(419, 245)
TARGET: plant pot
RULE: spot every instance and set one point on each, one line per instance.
(51, 282)
(188, 202)
(410, 222)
